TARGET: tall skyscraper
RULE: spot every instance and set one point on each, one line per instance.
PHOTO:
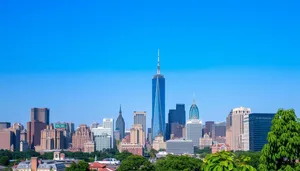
(40, 114)
(120, 125)
(194, 126)
(238, 115)
(158, 123)
(109, 123)
(259, 125)
(39, 121)
(176, 121)
(139, 117)
(229, 129)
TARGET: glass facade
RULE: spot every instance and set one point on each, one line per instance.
(194, 112)
(120, 124)
(158, 106)
(259, 127)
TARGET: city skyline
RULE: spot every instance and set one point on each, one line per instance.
(86, 63)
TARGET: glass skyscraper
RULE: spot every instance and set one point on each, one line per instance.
(259, 127)
(158, 123)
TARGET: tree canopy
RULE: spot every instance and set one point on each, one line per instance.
(134, 163)
(80, 166)
(178, 163)
(226, 161)
(283, 148)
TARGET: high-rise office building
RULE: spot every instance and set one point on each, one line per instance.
(39, 120)
(109, 123)
(149, 137)
(137, 135)
(82, 135)
(194, 126)
(4, 125)
(238, 115)
(120, 125)
(103, 138)
(218, 130)
(209, 126)
(176, 121)
(140, 118)
(256, 129)
(40, 114)
(158, 123)
(229, 129)
(6, 139)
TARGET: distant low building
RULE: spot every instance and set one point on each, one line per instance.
(180, 146)
(99, 167)
(206, 141)
(159, 143)
(35, 165)
(220, 147)
(24, 146)
(89, 147)
(136, 149)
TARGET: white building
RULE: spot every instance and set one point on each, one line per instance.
(180, 147)
(104, 135)
(206, 141)
(194, 131)
(238, 116)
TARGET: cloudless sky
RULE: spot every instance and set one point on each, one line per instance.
(82, 59)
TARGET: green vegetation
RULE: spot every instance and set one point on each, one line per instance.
(226, 161)
(124, 155)
(4, 161)
(283, 148)
(202, 152)
(178, 163)
(134, 163)
(81, 166)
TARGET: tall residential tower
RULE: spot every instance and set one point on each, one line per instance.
(158, 123)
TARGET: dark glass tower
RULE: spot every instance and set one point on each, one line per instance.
(176, 121)
(259, 127)
(120, 124)
(158, 123)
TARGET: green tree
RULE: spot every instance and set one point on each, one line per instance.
(178, 163)
(122, 156)
(283, 148)
(4, 161)
(80, 166)
(152, 153)
(226, 161)
(255, 156)
(134, 163)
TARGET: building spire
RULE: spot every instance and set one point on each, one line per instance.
(120, 111)
(194, 99)
(158, 64)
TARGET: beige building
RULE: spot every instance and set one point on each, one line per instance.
(137, 135)
(89, 147)
(52, 139)
(159, 143)
(229, 129)
(82, 135)
(238, 115)
(6, 139)
(206, 141)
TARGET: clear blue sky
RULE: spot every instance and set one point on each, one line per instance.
(83, 59)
